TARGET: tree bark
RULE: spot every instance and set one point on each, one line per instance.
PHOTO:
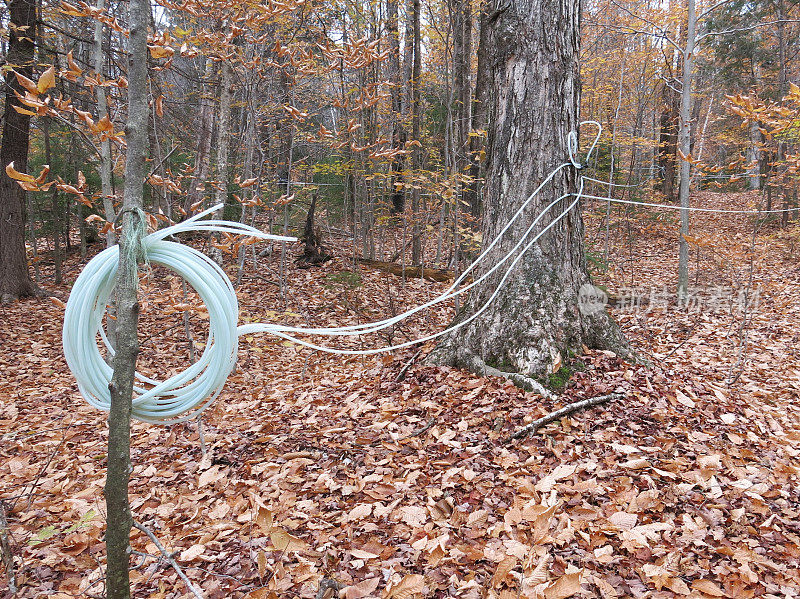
(534, 322)
(396, 191)
(127, 349)
(15, 280)
(202, 160)
(105, 144)
(685, 143)
(416, 132)
(668, 141)
(472, 190)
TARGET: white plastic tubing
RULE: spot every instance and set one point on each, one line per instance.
(186, 394)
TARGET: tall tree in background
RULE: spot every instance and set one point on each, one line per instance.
(534, 322)
(15, 280)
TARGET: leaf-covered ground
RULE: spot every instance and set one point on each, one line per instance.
(399, 482)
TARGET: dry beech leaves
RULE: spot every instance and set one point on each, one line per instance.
(314, 470)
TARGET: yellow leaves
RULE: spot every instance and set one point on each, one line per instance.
(26, 83)
(46, 80)
(161, 51)
(72, 11)
(18, 176)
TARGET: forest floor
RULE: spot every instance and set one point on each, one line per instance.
(400, 482)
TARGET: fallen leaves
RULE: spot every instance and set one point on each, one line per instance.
(315, 476)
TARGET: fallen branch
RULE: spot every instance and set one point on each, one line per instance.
(402, 374)
(566, 410)
(412, 272)
(421, 430)
(170, 560)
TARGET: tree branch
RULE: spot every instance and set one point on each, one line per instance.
(566, 410)
(170, 560)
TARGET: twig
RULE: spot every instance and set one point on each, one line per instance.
(200, 433)
(568, 409)
(422, 430)
(402, 374)
(44, 469)
(5, 551)
(170, 560)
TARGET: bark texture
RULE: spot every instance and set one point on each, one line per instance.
(534, 322)
(15, 279)
(127, 349)
(205, 128)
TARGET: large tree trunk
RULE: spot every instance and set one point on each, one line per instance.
(535, 321)
(15, 280)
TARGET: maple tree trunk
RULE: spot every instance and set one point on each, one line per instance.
(15, 280)
(121, 387)
(534, 321)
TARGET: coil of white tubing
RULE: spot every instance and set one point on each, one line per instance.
(183, 395)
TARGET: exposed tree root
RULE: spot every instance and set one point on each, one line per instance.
(478, 366)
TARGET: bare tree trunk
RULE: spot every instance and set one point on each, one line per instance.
(534, 321)
(205, 128)
(121, 387)
(57, 258)
(668, 140)
(15, 280)
(105, 145)
(685, 143)
(472, 191)
(223, 132)
(399, 137)
(754, 156)
(416, 132)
